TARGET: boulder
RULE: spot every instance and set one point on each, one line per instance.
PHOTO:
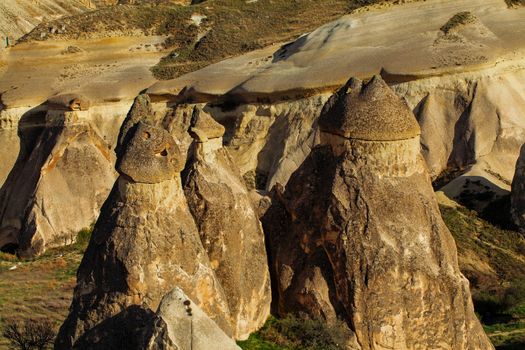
(357, 233)
(229, 227)
(181, 324)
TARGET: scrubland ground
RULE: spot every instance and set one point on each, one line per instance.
(40, 288)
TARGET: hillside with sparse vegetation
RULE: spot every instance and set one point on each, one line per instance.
(204, 33)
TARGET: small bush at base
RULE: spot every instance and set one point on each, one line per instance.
(29, 334)
(294, 333)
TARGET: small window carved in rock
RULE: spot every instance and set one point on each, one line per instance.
(163, 153)
(146, 135)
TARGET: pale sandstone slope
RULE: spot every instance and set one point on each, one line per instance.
(404, 39)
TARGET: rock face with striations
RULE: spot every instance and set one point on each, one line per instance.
(229, 226)
(357, 234)
(144, 244)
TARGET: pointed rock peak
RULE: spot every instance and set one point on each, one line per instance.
(352, 85)
(68, 102)
(371, 112)
(204, 127)
(152, 156)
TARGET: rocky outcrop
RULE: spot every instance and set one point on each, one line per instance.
(52, 192)
(181, 324)
(148, 240)
(471, 123)
(145, 242)
(357, 233)
(229, 226)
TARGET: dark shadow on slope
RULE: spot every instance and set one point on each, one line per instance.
(126, 330)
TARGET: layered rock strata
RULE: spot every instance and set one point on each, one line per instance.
(229, 227)
(357, 234)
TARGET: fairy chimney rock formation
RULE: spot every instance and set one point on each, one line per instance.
(357, 233)
(144, 243)
(370, 112)
(229, 226)
(51, 193)
(152, 156)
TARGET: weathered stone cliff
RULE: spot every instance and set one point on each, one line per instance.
(357, 234)
(52, 191)
(463, 78)
(518, 192)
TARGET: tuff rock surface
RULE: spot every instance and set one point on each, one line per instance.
(52, 193)
(229, 227)
(357, 235)
(148, 240)
(180, 324)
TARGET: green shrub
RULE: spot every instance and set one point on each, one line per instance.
(514, 296)
(294, 332)
(83, 237)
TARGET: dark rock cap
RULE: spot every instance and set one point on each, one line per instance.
(370, 112)
(152, 156)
